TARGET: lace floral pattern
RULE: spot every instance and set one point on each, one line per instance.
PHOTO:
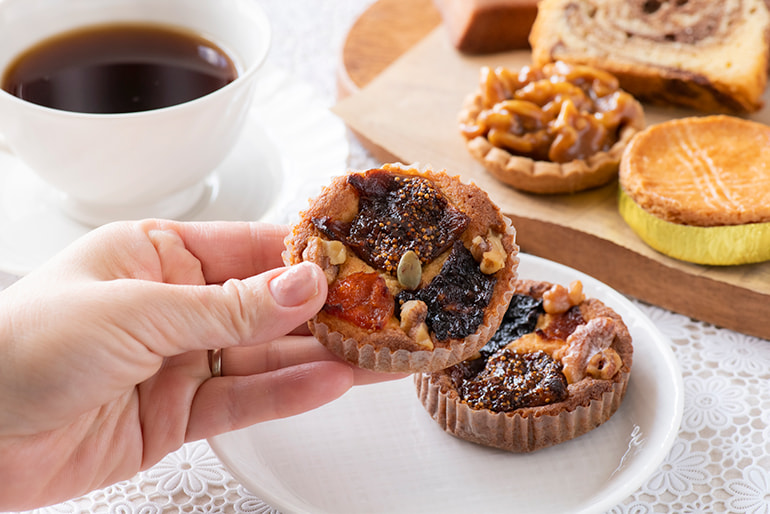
(721, 458)
(719, 463)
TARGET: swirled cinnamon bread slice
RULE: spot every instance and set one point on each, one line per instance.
(707, 55)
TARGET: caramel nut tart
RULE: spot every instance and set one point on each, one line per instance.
(558, 128)
(420, 267)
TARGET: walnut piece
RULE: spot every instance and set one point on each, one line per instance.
(489, 252)
(479, 245)
(604, 365)
(576, 295)
(559, 299)
(413, 314)
(583, 344)
(327, 254)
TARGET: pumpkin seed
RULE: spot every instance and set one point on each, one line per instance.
(409, 271)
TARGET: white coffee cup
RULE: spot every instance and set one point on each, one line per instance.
(134, 165)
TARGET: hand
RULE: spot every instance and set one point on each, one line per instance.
(104, 365)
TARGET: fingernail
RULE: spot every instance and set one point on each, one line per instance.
(295, 286)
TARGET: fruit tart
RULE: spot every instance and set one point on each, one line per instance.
(420, 267)
(557, 368)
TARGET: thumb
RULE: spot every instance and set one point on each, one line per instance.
(239, 312)
(279, 300)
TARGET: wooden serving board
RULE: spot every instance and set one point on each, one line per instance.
(402, 84)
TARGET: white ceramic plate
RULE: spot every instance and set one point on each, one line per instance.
(377, 450)
(290, 146)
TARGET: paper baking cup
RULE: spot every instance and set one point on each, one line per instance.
(717, 246)
(520, 431)
(395, 361)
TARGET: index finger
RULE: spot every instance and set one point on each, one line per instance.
(231, 249)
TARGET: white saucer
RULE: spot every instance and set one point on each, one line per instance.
(376, 450)
(289, 148)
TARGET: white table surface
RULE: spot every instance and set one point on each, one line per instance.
(720, 461)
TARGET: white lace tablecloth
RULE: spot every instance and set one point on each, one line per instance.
(720, 461)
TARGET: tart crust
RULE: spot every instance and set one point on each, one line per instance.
(391, 348)
(590, 401)
(546, 177)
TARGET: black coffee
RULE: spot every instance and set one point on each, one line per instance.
(119, 68)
